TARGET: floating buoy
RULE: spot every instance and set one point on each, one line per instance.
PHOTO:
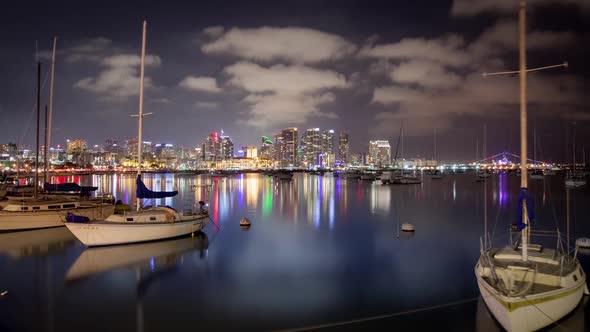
(245, 222)
(583, 242)
(407, 227)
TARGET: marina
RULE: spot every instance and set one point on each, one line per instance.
(296, 266)
(295, 166)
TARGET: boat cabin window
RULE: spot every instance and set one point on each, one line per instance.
(53, 207)
(575, 277)
(68, 206)
(152, 218)
(24, 208)
(36, 207)
(129, 219)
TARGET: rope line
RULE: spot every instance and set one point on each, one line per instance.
(361, 320)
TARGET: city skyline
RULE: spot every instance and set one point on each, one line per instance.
(209, 69)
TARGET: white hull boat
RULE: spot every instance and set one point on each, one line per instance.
(18, 220)
(545, 296)
(116, 230)
(527, 287)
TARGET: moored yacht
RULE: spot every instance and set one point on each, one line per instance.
(528, 287)
(46, 212)
(142, 225)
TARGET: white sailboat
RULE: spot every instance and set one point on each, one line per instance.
(528, 287)
(142, 225)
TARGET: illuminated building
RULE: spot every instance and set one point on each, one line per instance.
(311, 147)
(251, 152)
(76, 146)
(343, 152)
(289, 155)
(279, 147)
(266, 148)
(379, 153)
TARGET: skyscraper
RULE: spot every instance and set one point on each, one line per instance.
(266, 148)
(289, 158)
(327, 153)
(311, 142)
(227, 148)
(343, 152)
(380, 153)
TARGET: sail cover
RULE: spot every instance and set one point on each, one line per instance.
(144, 192)
(69, 186)
(524, 196)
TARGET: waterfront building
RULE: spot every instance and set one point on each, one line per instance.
(279, 147)
(289, 157)
(328, 141)
(379, 153)
(311, 147)
(227, 148)
(358, 159)
(251, 152)
(343, 148)
(76, 146)
(266, 148)
(9, 150)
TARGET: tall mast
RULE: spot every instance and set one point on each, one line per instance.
(48, 133)
(402, 139)
(485, 197)
(38, 115)
(523, 125)
(574, 147)
(140, 142)
(435, 145)
(522, 72)
(45, 167)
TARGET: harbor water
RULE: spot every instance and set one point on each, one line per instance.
(323, 252)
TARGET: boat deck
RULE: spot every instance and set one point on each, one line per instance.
(545, 261)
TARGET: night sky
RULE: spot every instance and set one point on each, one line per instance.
(254, 67)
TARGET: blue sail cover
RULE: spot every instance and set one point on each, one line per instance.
(144, 192)
(70, 186)
(524, 195)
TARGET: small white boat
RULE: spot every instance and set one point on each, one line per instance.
(245, 222)
(583, 242)
(407, 227)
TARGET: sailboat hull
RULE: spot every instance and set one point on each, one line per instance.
(530, 313)
(109, 233)
(19, 221)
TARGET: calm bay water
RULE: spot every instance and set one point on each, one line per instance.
(320, 250)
